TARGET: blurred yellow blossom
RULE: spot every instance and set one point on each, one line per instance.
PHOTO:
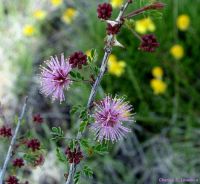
(88, 53)
(177, 51)
(183, 22)
(116, 3)
(144, 25)
(69, 15)
(116, 67)
(56, 3)
(158, 86)
(39, 14)
(157, 72)
(29, 30)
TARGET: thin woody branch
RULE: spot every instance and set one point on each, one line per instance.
(154, 6)
(12, 144)
(108, 50)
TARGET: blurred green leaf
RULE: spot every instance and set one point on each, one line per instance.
(57, 133)
(76, 108)
(84, 143)
(83, 126)
(77, 177)
(73, 74)
(101, 148)
(87, 171)
(130, 23)
(61, 156)
(83, 114)
(155, 14)
(72, 144)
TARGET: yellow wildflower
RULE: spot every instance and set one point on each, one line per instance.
(56, 3)
(28, 30)
(88, 53)
(39, 14)
(116, 67)
(177, 51)
(157, 72)
(144, 25)
(69, 15)
(183, 22)
(116, 3)
(158, 86)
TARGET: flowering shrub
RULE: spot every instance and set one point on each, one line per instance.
(109, 118)
(162, 86)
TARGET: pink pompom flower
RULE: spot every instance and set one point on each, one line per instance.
(110, 114)
(55, 78)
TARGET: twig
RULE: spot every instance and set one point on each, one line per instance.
(100, 76)
(154, 6)
(9, 153)
(108, 50)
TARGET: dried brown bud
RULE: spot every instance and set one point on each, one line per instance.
(157, 5)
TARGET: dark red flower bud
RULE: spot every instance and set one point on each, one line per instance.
(104, 11)
(149, 43)
(113, 29)
(77, 59)
(5, 131)
(18, 162)
(12, 180)
(33, 144)
(74, 156)
(37, 118)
